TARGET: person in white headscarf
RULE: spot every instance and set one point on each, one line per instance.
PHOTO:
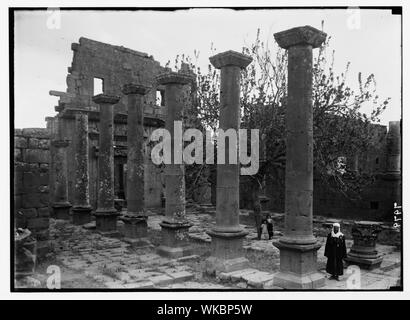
(335, 251)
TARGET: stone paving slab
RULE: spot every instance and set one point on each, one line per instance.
(258, 279)
(161, 280)
(114, 264)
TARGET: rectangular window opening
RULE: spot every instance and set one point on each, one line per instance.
(98, 86)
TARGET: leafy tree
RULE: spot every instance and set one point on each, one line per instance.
(340, 128)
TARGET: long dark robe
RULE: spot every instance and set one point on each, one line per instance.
(335, 251)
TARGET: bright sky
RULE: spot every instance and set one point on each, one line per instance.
(42, 55)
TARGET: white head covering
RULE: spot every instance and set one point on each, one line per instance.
(339, 233)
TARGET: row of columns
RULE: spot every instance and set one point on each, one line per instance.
(298, 246)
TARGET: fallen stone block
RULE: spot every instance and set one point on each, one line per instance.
(193, 257)
(181, 276)
(114, 285)
(161, 280)
(257, 280)
(242, 285)
(238, 275)
(148, 257)
(139, 285)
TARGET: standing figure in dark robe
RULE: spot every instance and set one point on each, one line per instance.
(335, 251)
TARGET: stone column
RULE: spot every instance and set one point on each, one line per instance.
(392, 177)
(394, 148)
(81, 207)
(175, 241)
(61, 205)
(298, 246)
(363, 251)
(106, 215)
(135, 220)
(227, 235)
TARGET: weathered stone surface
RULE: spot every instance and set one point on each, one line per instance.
(161, 280)
(300, 36)
(258, 280)
(106, 214)
(35, 200)
(37, 223)
(35, 143)
(230, 58)
(36, 133)
(36, 156)
(29, 213)
(81, 205)
(181, 276)
(298, 247)
(20, 142)
(60, 204)
(227, 234)
(363, 251)
(135, 217)
(175, 241)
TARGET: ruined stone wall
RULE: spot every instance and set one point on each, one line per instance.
(116, 66)
(31, 183)
(377, 198)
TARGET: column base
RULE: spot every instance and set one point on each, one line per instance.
(62, 210)
(298, 266)
(136, 230)
(175, 240)
(81, 215)
(288, 280)
(365, 262)
(227, 252)
(106, 221)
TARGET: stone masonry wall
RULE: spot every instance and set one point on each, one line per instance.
(31, 180)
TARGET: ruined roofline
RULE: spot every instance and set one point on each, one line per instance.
(86, 41)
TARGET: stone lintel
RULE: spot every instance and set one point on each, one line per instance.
(132, 88)
(306, 35)
(230, 58)
(175, 77)
(105, 99)
(60, 143)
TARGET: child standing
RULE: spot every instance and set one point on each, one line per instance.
(269, 226)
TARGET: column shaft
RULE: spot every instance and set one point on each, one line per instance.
(299, 147)
(175, 240)
(298, 247)
(135, 220)
(106, 214)
(227, 190)
(81, 207)
(135, 156)
(106, 160)
(227, 235)
(61, 205)
(174, 173)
